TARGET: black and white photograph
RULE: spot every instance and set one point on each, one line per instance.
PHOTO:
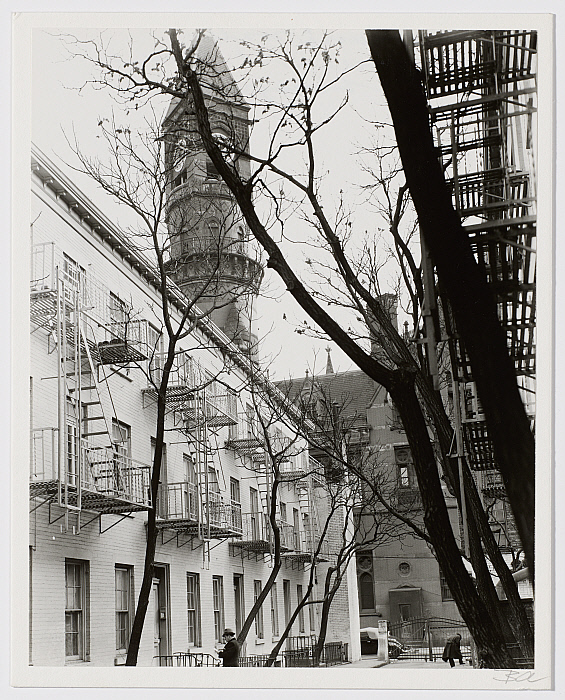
(285, 397)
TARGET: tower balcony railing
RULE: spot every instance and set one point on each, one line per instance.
(195, 187)
(214, 245)
(101, 474)
(221, 408)
(296, 468)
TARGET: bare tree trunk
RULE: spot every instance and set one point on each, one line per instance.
(399, 385)
(472, 302)
(329, 595)
(484, 630)
(278, 646)
(149, 566)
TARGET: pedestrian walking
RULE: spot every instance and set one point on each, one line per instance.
(230, 653)
(452, 650)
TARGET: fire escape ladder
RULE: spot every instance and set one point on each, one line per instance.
(95, 402)
(200, 436)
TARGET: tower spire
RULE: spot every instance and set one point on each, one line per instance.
(329, 366)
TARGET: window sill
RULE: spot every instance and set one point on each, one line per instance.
(76, 662)
(275, 638)
(259, 641)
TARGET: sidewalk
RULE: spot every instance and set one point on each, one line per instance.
(368, 661)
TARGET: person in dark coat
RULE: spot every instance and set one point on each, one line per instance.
(452, 650)
(230, 652)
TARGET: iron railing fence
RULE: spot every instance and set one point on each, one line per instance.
(424, 638)
(185, 659)
(333, 654)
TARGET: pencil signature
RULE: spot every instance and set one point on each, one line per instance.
(514, 676)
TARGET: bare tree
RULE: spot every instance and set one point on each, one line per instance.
(137, 174)
(472, 303)
(309, 68)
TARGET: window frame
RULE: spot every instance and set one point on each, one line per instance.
(301, 618)
(365, 573)
(274, 611)
(196, 610)
(80, 613)
(128, 571)
(218, 606)
(259, 621)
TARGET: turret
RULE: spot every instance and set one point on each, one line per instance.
(212, 257)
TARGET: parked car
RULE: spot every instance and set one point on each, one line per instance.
(370, 643)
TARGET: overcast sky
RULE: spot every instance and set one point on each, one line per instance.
(60, 109)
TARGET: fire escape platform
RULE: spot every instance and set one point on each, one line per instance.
(305, 557)
(193, 528)
(176, 394)
(246, 446)
(90, 499)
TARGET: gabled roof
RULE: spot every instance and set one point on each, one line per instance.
(354, 391)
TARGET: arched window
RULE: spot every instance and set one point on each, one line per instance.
(213, 231)
(240, 240)
(366, 592)
(365, 580)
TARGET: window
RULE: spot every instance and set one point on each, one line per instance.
(211, 170)
(213, 485)
(274, 611)
(190, 492)
(301, 621)
(259, 629)
(283, 512)
(218, 603)
(296, 529)
(74, 277)
(76, 610)
(365, 580)
(123, 578)
(286, 600)
(405, 469)
(250, 420)
(72, 443)
(445, 592)
(405, 610)
(155, 350)
(235, 497)
(240, 248)
(312, 616)
(118, 309)
(254, 516)
(234, 491)
(193, 609)
(366, 592)
(121, 437)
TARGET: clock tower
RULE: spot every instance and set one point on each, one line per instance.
(213, 258)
